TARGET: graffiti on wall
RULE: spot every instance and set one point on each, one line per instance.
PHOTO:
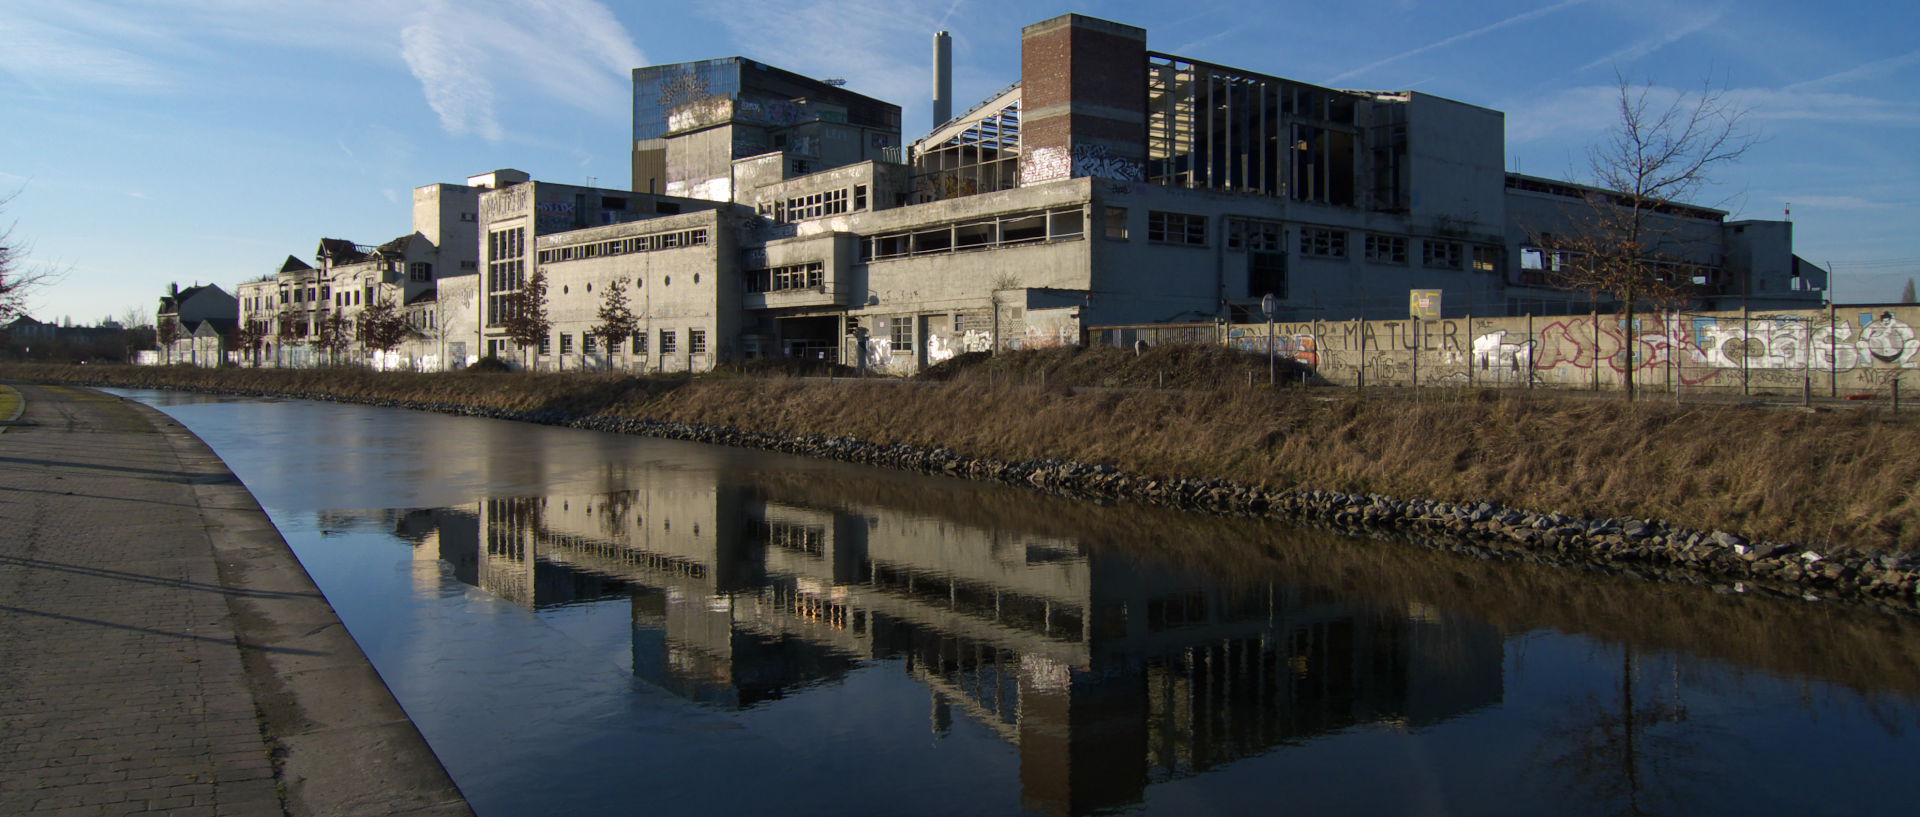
(1099, 162)
(1044, 164)
(1843, 351)
(1300, 347)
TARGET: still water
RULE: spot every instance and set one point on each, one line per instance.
(587, 623)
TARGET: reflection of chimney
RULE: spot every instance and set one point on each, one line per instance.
(942, 78)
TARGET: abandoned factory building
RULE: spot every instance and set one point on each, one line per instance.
(773, 214)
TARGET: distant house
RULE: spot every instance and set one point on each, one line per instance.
(196, 325)
(25, 329)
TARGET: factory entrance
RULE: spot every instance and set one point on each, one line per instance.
(814, 338)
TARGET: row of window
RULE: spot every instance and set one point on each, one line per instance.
(1166, 227)
(817, 205)
(1058, 224)
(590, 343)
(624, 246)
(810, 275)
(1538, 265)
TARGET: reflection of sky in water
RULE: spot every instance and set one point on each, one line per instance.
(589, 623)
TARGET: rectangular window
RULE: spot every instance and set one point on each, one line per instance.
(1263, 236)
(1440, 254)
(589, 343)
(566, 343)
(1176, 228)
(668, 341)
(1386, 249)
(1266, 274)
(546, 345)
(1117, 223)
(469, 264)
(901, 333)
(1486, 259)
(859, 197)
(1319, 242)
(639, 343)
(697, 341)
(421, 271)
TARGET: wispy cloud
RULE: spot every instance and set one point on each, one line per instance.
(1458, 38)
(1582, 111)
(41, 55)
(1870, 70)
(880, 47)
(1813, 202)
(1667, 31)
(467, 56)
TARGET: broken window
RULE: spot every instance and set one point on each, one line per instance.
(1486, 259)
(1319, 242)
(900, 332)
(1117, 223)
(1176, 228)
(1440, 254)
(697, 341)
(668, 340)
(1386, 249)
(1266, 274)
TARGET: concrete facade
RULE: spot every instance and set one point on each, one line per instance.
(1110, 185)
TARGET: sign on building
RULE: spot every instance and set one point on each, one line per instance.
(1423, 304)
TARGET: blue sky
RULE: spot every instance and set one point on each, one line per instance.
(205, 140)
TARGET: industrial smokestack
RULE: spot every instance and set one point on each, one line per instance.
(942, 78)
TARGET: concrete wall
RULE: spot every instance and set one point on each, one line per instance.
(1457, 167)
(1847, 350)
(679, 290)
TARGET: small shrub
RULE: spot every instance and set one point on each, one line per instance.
(489, 364)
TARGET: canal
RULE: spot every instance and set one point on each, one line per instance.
(589, 623)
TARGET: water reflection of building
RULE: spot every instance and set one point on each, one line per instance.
(1109, 675)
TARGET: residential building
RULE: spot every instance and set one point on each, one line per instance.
(196, 325)
(290, 308)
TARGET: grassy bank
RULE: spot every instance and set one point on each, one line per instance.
(1836, 478)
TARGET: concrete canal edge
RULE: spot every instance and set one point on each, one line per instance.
(342, 744)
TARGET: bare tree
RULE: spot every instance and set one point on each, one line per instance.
(382, 327)
(331, 335)
(617, 322)
(1626, 242)
(249, 338)
(526, 322)
(165, 332)
(134, 317)
(18, 279)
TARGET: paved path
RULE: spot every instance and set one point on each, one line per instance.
(160, 648)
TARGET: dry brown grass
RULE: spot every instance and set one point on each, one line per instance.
(1840, 478)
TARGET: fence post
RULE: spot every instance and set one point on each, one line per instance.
(1532, 349)
(1469, 350)
(1833, 353)
(1596, 345)
(1746, 326)
(1415, 377)
(1360, 381)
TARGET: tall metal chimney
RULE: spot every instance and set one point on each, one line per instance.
(942, 78)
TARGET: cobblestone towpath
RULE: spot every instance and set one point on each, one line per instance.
(161, 649)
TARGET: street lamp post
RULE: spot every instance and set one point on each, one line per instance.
(1267, 305)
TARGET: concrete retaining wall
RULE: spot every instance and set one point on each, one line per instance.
(1839, 351)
